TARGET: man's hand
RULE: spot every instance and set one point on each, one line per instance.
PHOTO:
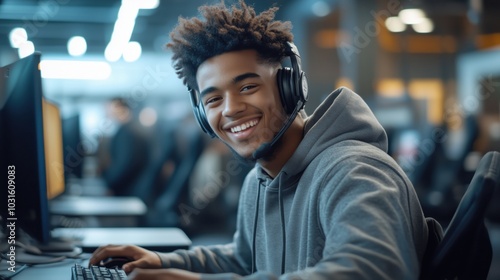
(141, 258)
(163, 274)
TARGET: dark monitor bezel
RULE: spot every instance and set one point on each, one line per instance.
(21, 130)
(72, 144)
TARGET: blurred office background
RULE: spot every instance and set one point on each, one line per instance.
(429, 69)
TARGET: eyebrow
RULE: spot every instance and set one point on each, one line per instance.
(235, 80)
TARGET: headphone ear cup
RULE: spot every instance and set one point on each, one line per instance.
(200, 116)
(286, 88)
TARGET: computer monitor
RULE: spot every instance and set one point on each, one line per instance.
(53, 146)
(21, 133)
(405, 146)
(73, 155)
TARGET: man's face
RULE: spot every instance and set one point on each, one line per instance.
(117, 112)
(241, 100)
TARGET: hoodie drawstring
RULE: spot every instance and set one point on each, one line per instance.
(256, 218)
(283, 229)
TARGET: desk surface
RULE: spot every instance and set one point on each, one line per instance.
(157, 239)
(60, 270)
(97, 206)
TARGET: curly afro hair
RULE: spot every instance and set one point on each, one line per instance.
(222, 30)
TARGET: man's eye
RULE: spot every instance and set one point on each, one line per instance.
(212, 100)
(247, 87)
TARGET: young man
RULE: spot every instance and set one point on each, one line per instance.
(324, 200)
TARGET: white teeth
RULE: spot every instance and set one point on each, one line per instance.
(243, 126)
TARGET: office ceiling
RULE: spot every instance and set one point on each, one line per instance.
(50, 23)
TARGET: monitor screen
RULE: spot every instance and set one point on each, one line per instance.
(404, 145)
(21, 133)
(73, 155)
(53, 145)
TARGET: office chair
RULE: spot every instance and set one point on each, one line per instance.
(439, 176)
(465, 251)
(165, 210)
(163, 150)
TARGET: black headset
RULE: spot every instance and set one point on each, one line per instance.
(292, 86)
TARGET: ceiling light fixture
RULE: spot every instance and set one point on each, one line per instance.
(26, 49)
(424, 26)
(124, 26)
(147, 4)
(394, 24)
(411, 16)
(132, 52)
(17, 37)
(77, 46)
(320, 8)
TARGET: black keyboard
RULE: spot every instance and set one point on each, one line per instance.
(79, 272)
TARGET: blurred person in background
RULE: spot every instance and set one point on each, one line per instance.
(126, 153)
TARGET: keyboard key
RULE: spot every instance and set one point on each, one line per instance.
(79, 272)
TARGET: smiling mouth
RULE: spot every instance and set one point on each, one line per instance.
(243, 127)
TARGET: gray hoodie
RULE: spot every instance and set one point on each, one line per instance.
(340, 208)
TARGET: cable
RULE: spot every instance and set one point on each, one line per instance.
(18, 270)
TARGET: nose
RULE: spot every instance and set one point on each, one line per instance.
(233, 104)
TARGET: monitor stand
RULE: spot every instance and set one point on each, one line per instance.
(56, 245)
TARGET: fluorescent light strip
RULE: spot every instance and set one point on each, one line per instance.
(75, 70)
(148, 4)
(124, 26)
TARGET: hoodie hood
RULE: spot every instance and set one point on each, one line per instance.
(342, 116)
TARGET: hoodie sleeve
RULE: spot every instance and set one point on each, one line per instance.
(371, 220)
(204, 259)
(226, 261)
(223, 261)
